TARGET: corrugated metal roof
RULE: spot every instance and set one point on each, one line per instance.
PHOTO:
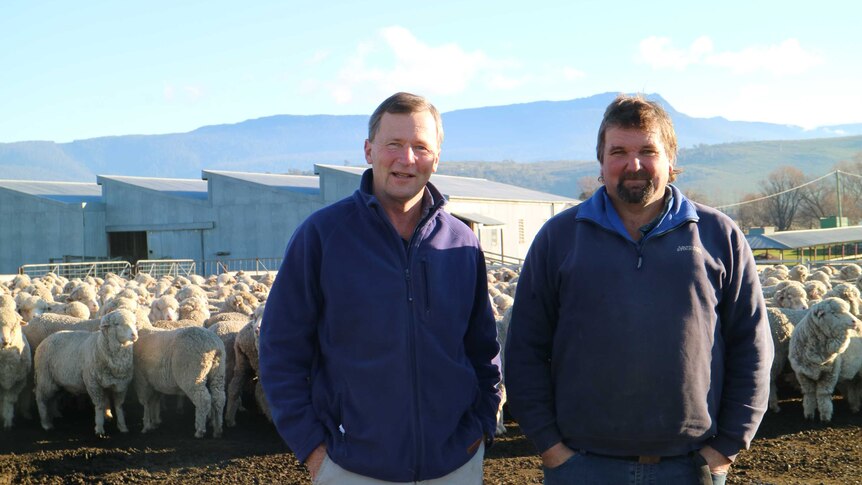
(805, 239)
(65, 192)
(476, 188)
(187, 188)
(304, 184)
(478, 218)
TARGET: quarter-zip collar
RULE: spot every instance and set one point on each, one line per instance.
(600, 210)
(432, 200)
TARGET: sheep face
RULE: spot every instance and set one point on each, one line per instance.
(120, 326)
(832, 317)
(10, 328)
(792, 296)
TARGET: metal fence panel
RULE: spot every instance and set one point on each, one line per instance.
(96, 269)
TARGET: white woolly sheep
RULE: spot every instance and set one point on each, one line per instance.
(189, 291)
(15, 363)
(227, 331)
(186, 361)
(166, 307)
(240, 302)
(7, 302)
(850, 272)
(98, 363)
(73, 309)
(848, 293)
(815, 289)
(195, 309)
(30, 306)
(770, 281)
(826, 348)
(792, 295)
(778, 271)
(85, 294)
(502, 302)
(221, 317)
(821, 276)
(781, 328)
(502, 333)
(246, 366)
(798, 273)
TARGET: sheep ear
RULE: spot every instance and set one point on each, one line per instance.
(819, 312)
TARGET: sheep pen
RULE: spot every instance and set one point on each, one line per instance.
(788, 449)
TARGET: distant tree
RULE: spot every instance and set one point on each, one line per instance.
(782, 206)
(750, 214)
(588, 186)
(697, 196)
(851, 187)
(815, 201)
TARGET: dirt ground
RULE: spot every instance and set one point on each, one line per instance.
(787, 450)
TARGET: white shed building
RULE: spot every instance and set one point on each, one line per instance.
(49, 222)
(227, 215)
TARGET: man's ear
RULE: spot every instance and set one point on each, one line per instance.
(367, 150)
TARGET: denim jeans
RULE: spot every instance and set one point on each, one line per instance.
(600, 470)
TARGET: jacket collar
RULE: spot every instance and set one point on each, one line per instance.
(599, 209)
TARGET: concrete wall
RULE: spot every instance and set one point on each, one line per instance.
(336, 185)
(37, 231)
(254, 220)
(522, 220)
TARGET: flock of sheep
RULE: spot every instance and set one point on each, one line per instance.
(815, 328)
(197, 338)
(193, 337)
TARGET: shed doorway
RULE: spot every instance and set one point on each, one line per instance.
(128, 246)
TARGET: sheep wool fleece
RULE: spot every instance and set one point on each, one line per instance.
(655, 347)
(384, 351)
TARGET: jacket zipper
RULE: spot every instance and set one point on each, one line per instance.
(417, 422)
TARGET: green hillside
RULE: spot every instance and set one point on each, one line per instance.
(723, 173)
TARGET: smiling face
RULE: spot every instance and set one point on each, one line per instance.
(635, 166)
(403, 155)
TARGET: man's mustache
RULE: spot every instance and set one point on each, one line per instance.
(639, 175)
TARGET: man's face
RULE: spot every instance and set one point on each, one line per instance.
(635, 166)
(403, 156)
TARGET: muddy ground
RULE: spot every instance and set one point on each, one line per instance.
(787, 450)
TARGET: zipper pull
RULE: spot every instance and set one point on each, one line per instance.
(640, 260)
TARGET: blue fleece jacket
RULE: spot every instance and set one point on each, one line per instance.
(654, 347)
(383, 352)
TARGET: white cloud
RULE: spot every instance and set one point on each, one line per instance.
(185, 94)
(398, 60)
(786, 58)
(318, 56)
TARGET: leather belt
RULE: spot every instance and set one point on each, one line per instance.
(641, 459)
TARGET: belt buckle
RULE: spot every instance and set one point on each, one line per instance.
(649, 459)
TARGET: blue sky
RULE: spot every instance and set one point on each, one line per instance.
(75, 70)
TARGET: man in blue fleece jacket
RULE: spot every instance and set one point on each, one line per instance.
(378, 350)
(639, 348)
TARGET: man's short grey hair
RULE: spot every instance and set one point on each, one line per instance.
(404, 103)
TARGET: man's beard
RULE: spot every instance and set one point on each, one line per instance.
(637, 195)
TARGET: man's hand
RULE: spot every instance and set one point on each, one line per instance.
(315, 459)
(556, 455)
(717, 462)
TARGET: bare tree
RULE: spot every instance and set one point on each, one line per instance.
(815, 201)
(750, 214)
(785, 200)
(588, 186)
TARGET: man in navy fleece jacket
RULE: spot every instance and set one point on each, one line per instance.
(639, 348)
(378, 350)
